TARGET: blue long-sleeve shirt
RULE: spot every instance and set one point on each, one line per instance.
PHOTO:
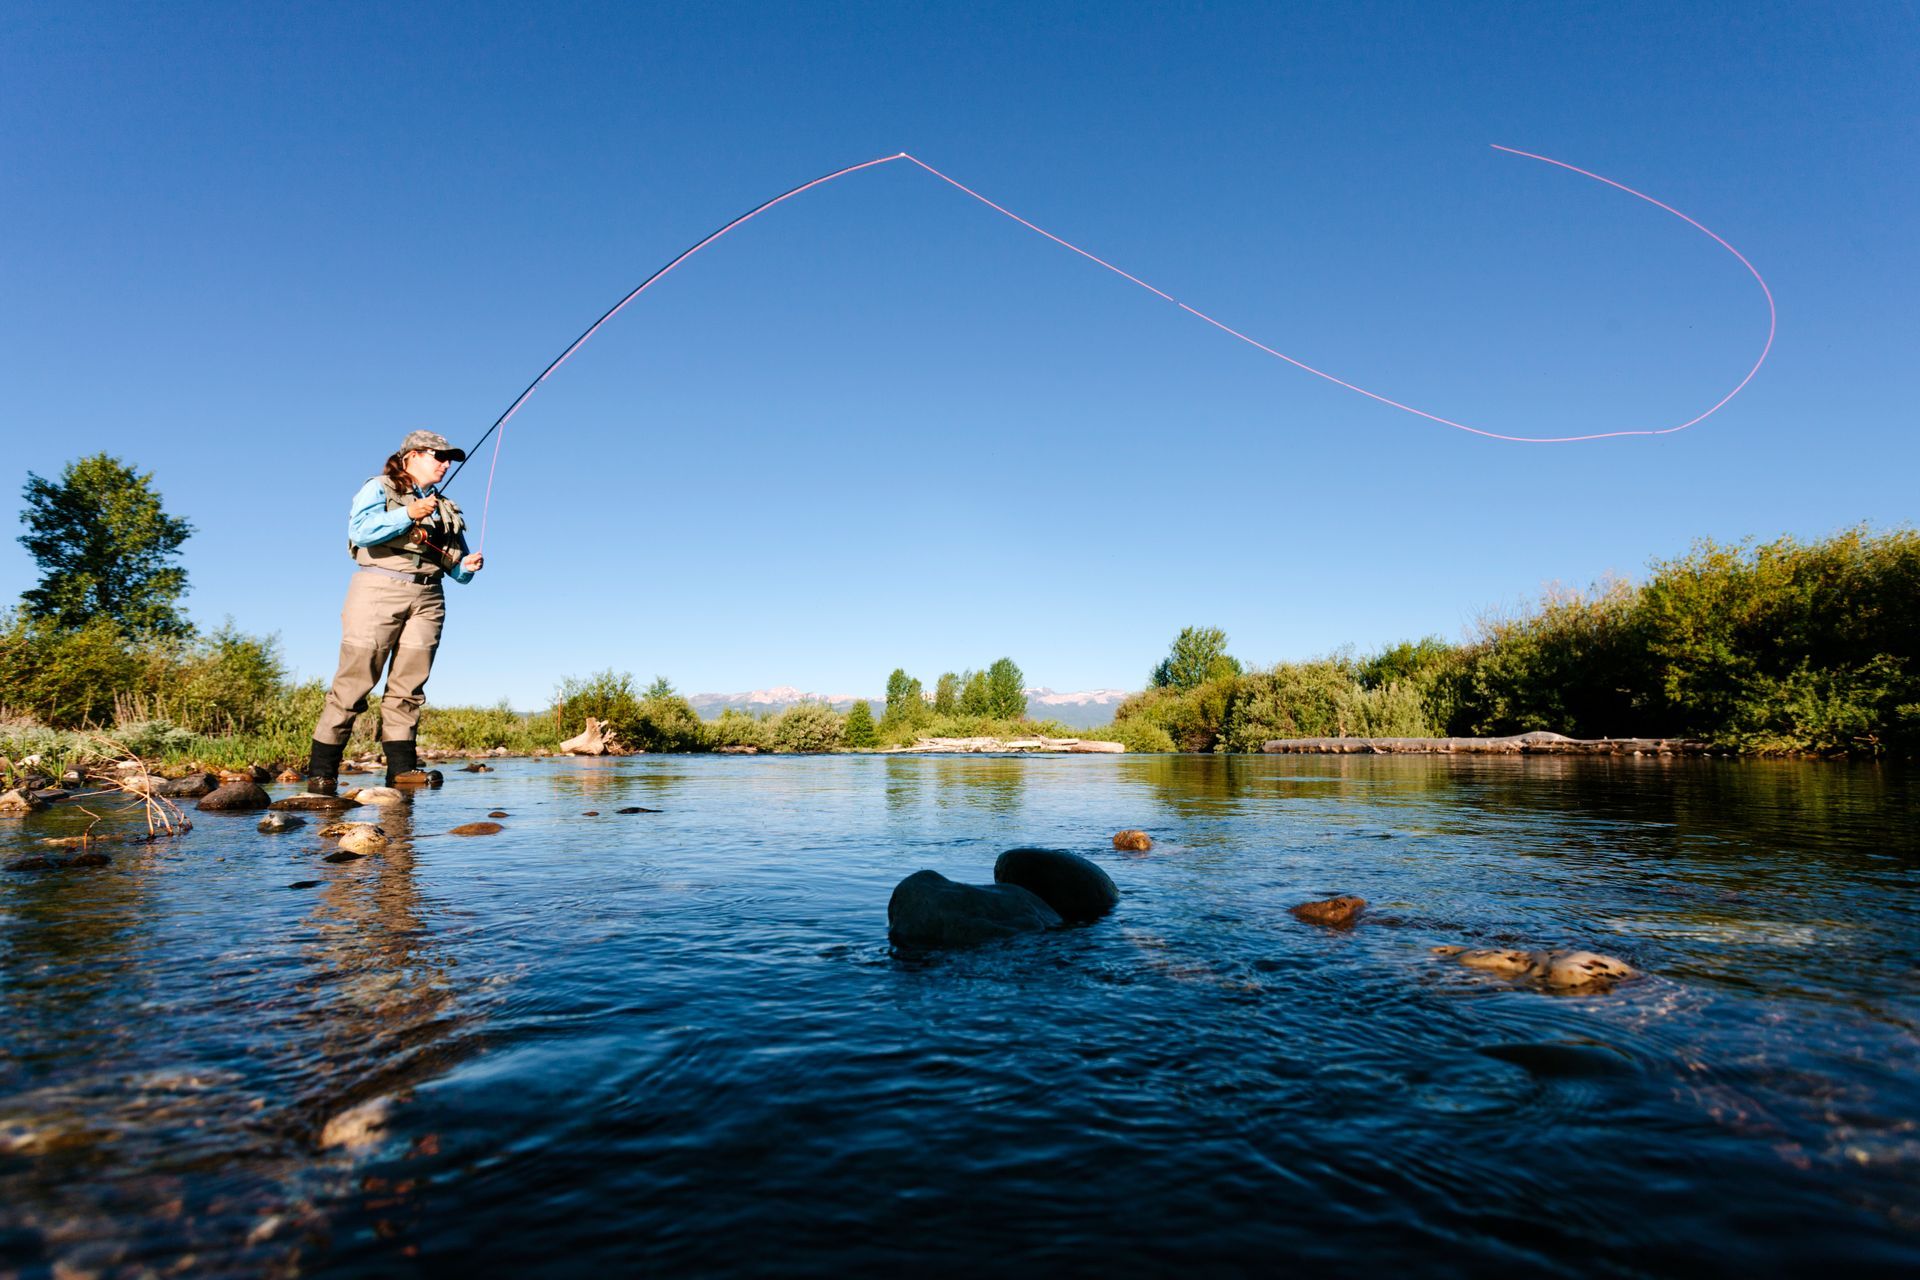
(370, 523)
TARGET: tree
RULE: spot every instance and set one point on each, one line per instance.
(859, 730)
(906, 703)
(975, 698)
(660, 688)
(1006, 690)
(104, 548)
(1197, 655)
(946, 694)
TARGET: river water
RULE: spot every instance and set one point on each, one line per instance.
(679, 1043)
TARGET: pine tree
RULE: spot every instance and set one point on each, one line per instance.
(859, 731)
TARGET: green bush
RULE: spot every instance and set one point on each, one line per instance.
(607, 696)
(662, 724)
(806, 726)
(66, 677)
(735, 728)
(1137, 734)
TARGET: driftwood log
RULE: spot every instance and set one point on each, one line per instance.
(595, 740)
(1536, 743)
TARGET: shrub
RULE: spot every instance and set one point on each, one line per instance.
(1137, 734)
(735, 728)
(806, 726)
(607, 696)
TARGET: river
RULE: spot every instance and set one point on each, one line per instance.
(679, 1042)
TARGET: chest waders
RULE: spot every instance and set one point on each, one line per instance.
(390, 625)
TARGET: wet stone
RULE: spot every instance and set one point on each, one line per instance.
(307, 800)
(477, 829)
(235, 796)
(634, 808)
(275, 823)
(20, 800)
(499, 813)
(58, 861)
(194, 784)
(1334, 913)
(1067, 882)
(1132, 840)
(927, 909)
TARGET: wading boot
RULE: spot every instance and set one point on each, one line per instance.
(403, 766)
(323, 768)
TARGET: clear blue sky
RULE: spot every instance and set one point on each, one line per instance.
(249, 247)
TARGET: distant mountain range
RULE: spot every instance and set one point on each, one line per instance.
(1081, 710)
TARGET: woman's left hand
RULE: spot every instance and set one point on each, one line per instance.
(473, 562)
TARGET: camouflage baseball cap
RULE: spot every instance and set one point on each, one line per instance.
(434, 442)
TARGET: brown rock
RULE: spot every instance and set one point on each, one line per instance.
(476, 768)
(1564, 971)
(477, 829)
(499, 813)
(19, 800)
(231, 796)
(1335, 913)
(309, 801)
(288, 775)
(1138, 841)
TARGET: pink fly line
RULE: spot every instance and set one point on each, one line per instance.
(1709, 411)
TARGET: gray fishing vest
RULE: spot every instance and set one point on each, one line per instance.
(431, 550)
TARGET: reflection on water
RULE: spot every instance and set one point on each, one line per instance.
(679, 1039)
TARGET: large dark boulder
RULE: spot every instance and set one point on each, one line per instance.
(1067, 882)
(235, 796)
(194, 784)
(927, 909)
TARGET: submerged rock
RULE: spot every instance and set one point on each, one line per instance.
(927, 909)
(635, 808)
(499, 813)
(357, 1129)
(232, 796)
(274, 823)
(379, 795)
(307, 800)
(1554, 970)
(477, 829)
(1067, 882)
(1335, 913)
(59, 861)
(1133, 840)
(476, 767)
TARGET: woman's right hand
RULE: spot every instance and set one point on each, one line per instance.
(421, 508)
